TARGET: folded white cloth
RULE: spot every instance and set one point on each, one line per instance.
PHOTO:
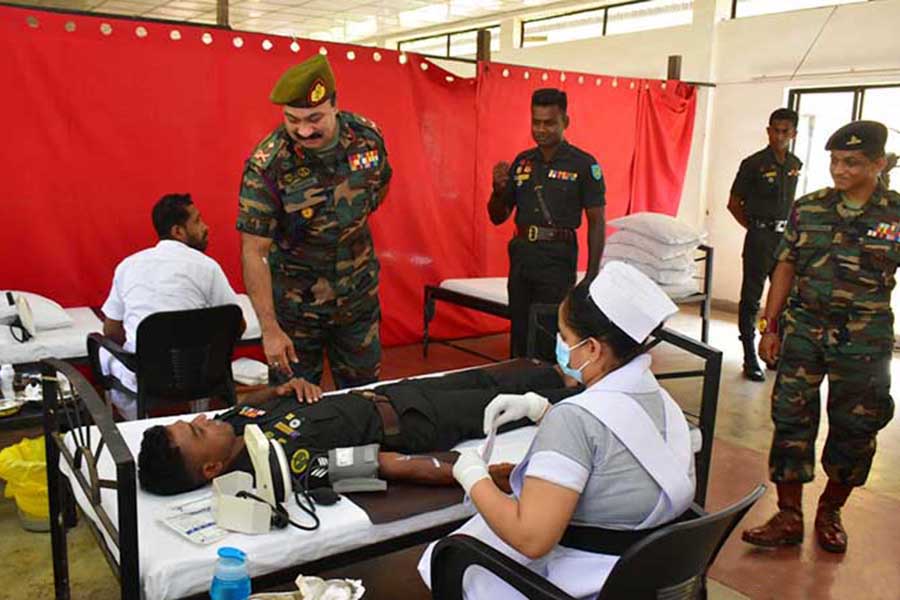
(249, 371)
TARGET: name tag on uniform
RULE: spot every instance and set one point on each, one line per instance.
(364, 160)
(563, 175)
(886, 231)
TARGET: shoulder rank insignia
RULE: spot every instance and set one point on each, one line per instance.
(364, 160)
(886, 231)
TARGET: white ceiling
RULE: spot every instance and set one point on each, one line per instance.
(330, 20)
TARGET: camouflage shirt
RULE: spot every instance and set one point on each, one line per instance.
(314, 205)
(844, 258)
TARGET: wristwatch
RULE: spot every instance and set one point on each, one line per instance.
(766, 326)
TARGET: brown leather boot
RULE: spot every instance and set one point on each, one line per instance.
(829, 530)
(786, 527)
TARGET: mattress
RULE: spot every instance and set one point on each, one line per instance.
(172, 567)
(65, 343)
(494, 288)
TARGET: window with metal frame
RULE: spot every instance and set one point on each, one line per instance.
(621, 17)
(455, 44)
(751, 8)
(823, 110)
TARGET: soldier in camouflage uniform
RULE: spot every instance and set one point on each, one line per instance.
(309, 263)
(835, 272)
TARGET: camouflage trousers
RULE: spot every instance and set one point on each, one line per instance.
(859, 405)
(347, 332)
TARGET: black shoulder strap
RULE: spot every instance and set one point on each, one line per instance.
(539, 177)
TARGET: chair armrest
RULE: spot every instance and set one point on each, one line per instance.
(95, 341)
(454, 554)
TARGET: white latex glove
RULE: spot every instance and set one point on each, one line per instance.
(506, 408)
(469, 469)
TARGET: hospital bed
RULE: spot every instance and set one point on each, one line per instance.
(93, 467)
(69, 343)
(489, 295)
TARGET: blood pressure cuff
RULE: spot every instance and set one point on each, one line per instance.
(355, 469)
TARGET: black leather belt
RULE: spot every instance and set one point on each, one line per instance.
(390, 420)
(771, 224)
(535, 233)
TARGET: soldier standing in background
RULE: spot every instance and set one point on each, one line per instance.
(761, 198)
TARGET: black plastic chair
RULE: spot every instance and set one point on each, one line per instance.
(669, 564)
(182, 357)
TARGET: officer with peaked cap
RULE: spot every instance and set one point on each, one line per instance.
(308, 261)
(833, 282)
(617, 456)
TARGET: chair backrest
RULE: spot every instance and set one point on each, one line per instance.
(185, 355)
(671, 564)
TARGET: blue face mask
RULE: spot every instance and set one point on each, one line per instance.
(563, 357)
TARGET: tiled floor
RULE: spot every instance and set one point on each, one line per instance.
(870, 569)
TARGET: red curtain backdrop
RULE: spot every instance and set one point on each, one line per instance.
(97, 126)
(665, 125)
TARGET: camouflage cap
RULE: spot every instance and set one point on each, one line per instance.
(868, 136)
(305, 85)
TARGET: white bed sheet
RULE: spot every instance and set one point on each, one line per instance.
(172, 567)
(494, 288)
(65, 343)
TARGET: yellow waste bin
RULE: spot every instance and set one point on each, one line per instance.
(24, 467)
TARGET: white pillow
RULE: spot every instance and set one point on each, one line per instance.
(626, 252)
(47, 313)
(660, 250)
(662, 228)
(253, 331)
(661, 276)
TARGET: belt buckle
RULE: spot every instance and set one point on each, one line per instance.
(532, 233)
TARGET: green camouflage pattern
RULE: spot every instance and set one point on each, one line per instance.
(315, 207)
(838, 322)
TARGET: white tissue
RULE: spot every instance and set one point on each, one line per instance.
(316, 588)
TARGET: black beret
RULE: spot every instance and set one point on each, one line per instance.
(868, 136)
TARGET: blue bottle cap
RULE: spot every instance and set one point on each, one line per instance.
(229, 552)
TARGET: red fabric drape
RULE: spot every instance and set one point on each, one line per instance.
(665, 125)
(97, 127)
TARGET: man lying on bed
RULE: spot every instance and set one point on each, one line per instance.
(408, 417)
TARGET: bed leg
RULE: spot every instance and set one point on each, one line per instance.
(427, 316)
(58, 522)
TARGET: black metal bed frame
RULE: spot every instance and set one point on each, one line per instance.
(75, 417)
(433, 293)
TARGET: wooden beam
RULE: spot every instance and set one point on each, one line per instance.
(483, 52)
(222, 13)
(673, 72)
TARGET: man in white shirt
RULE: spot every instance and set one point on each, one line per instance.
(173, 275)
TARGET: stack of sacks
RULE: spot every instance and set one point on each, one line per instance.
(660, 246)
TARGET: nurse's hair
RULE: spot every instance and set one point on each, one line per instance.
(587, 320)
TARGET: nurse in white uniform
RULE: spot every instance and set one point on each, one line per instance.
(616, 456)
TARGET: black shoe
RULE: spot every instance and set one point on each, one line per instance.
(752, 371)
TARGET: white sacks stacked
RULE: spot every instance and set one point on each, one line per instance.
(661, 247)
